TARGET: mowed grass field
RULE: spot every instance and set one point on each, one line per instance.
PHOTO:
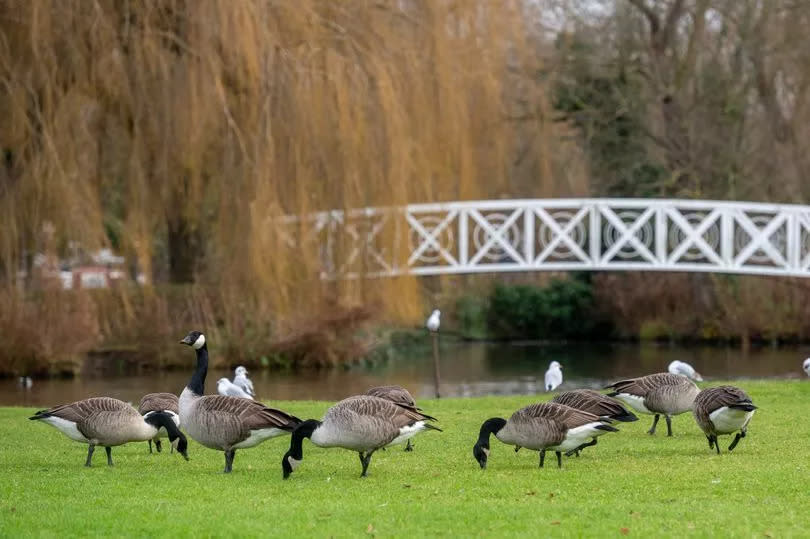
(629, 484)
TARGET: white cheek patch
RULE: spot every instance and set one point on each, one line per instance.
(293, 463)
(486, 451)
(199, 342)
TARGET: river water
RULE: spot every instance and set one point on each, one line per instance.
(467, 369)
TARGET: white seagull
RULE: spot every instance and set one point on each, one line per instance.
(553, 376)
(806, 366)
(684, 369)
(243, 381)
(229, 389)
(433, 321)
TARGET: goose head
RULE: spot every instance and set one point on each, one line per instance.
(293, 457)
(481, 447)
(195, 339)
(180, 444)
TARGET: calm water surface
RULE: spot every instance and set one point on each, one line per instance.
(468, 369)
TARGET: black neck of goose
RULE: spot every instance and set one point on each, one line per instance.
(163, 419)
(296, 451)
(490, 426)
(197, 382)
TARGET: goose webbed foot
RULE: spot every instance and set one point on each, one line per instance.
(229, 455)
(108, 449)
(542, 457)
(736, 440)
(669, 425)
(157, 446)
(559, 458)
(655, 422)
(409, 447)
(90, 450)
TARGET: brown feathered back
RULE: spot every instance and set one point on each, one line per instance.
(395, 394)
(595, 403)
(158, 402)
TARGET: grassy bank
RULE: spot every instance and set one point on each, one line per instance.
(631, 483)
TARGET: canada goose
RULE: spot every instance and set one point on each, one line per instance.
(593, 402)
(553, 376)
(684, 369)
(661, 393)
(226, 423)
(540, 427)
(241, 379)
(723, 410)
(229, 389)
(160, 402)
(433, 321)
(397, 395)
(362, 423)
(806, 366)
(109, 422)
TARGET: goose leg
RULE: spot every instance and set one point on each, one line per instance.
(736, 439)
(366, 462)
(108, 449)
(559, 459)
(157, 445)
(655, 422)
(669, 424)
(542, 457)
(150, 445)
(90, 450)
(711, 442)
(229, 455)
(409, 447)
(517, 448)
(716, 443)
(576, 450)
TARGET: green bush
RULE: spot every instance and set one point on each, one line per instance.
(472, 313)
(564, 309)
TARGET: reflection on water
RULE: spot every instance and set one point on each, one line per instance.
(468, 369)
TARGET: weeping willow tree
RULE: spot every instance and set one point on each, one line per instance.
(176, 130)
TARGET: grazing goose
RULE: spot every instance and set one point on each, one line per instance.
(593, 402)
(363, 423)
(723, 410)
(160, 402)
(806, 366)
(229, 389)
(433, 321)
(553, 376)
(226, 423)
(109, 422)
(661, 393)
(241, 379)
(684, 369)
(397, 395)
(540, 427)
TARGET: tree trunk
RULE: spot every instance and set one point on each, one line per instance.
(183, 250)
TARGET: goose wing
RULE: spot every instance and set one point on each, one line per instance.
(397, 414)
(644, 385)
(559, 413)
(396, 394)
(156, 402)
(713, 398)
(593, 402)
(252, 415)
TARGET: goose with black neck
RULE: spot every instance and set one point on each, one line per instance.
(226, 423)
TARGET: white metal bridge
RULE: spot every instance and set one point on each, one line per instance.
(556, 235)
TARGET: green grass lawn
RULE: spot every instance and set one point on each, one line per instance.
(631, 483)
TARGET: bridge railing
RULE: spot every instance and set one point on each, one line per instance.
(556, 235)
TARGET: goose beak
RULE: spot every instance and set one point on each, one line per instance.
(186, 340)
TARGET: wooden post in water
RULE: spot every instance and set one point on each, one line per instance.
(436, 376)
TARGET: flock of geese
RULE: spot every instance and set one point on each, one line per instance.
(386, 416)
